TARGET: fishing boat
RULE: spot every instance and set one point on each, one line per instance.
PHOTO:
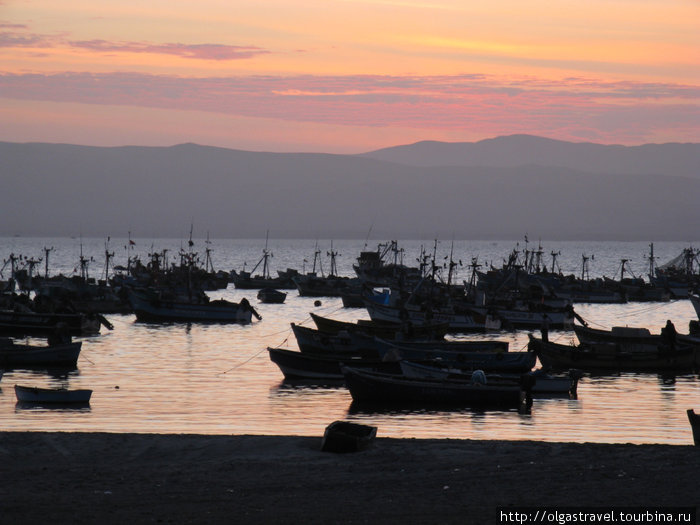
(385, 331)
(631, 339)
(544, 382)
(502, 361)
(62, 396)
(19, 355)
(344, 436)
(271, 296)
(21, 322)
(526, 317)
(456, 320)
(380, 388)
(296, 365)
(358, 343)
(613, 356)
(331, 285)
(246, 281)
(150, 307)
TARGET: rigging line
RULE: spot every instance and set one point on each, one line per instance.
(244, 362)
(275, 333)
(308, 318)
(645, 309)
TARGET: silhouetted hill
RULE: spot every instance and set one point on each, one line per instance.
(51, 189)
(519, 150)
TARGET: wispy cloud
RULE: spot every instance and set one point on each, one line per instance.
(11, 25)
(10, 39)
(16, 37)
(197, 51)
(574, 108)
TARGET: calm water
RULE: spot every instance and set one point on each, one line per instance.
(215, 379)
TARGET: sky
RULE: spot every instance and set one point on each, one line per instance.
(348, 76)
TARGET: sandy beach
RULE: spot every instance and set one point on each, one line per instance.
(155, 478)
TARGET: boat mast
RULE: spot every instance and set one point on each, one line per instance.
(334, 268)
(585, 275)
(84, 262)
(108, 256)
(452, 264)
(554, 260)
(266, 254)
(47, 251)
(207, 261)
(651, 262)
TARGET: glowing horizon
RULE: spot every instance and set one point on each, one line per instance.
(348, 77)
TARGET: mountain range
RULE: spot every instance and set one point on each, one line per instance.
(498, 188)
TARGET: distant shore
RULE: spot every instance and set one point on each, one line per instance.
(155, 478)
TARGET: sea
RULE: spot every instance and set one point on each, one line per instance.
(218, 379)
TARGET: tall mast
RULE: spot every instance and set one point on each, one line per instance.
(651, 262)
(266, 254)
(108, 256)
(47, 251)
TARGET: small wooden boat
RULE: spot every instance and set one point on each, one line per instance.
(694, 425)
(385, 331)
(359, 343)
(296, 365)
(344, 436)
(490, 360)
(379, 388)
(18, 355)
(32, 394)
(21, 323)
(457, 321)
(151, 308)
(630, 339)
(612, 356)
(544, 383)
(271, 296)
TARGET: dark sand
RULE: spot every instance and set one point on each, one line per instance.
(57, 478)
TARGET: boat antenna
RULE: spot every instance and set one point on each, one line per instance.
(368, 234)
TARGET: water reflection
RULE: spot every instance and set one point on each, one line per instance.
(218, 379)
(52, 407)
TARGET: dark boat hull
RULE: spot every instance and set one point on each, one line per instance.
(392, 389)
(295, 365)
(151, 310)
(42, 324)
(64, 355)
(610, 356)
(27, 394)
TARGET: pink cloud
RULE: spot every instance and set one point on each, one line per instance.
(575, 109)
(197, 51)
(13, 39)
(9, 25)
(16, 38)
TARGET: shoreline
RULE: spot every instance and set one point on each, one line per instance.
(75, 477)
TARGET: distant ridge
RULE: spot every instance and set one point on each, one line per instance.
(520, 150)
(495, 189)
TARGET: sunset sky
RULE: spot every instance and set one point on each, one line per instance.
(347, 76)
